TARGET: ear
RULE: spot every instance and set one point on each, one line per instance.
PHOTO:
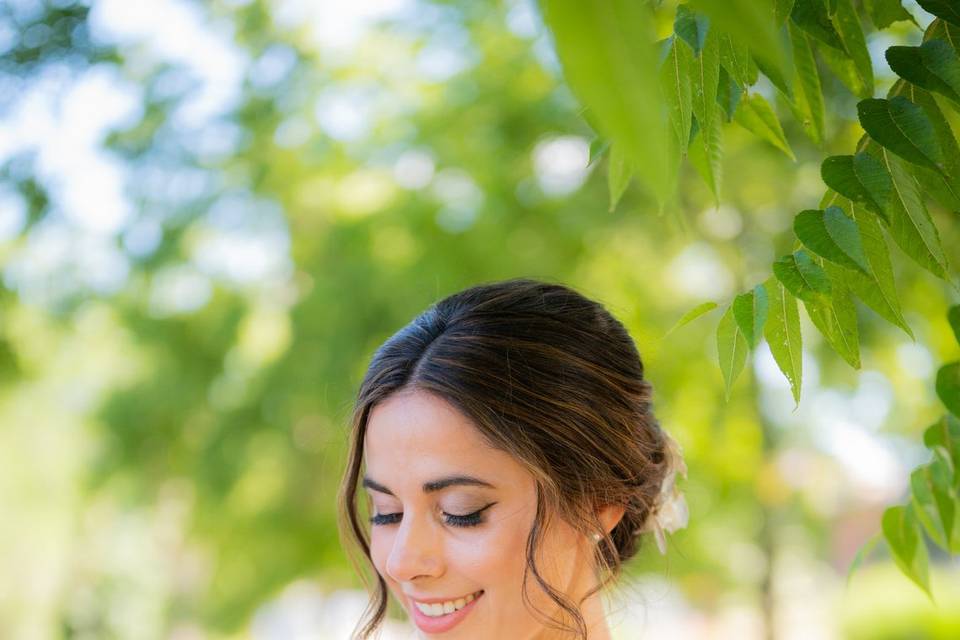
(610, 515)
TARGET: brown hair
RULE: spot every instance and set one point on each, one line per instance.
(548, 376)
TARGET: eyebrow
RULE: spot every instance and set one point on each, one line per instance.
(433, 485)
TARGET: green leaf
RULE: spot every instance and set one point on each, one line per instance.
(610, 64)
(832, 235)
(933, 66)
(945, 9)
(802, 276)
(731, 349)
(692, 315)
(836, 318)
(861, 178)
(847, 24)
(948, 387)
(692, 27)
(934, 497)
(756, 116)
(844, 68)
(728, 94)
(705, 68)
(945, 31)
(677, 91)
(782, 10)
(809, 97)
(906, 543)
(883, 13)
(618, 174)
(774, 74)
(812, 17)
(782, 331)
(598, 147)
(878, 292)
(945, 433)
(862, 554)
(735, 58)
(706, 153)
(750, 312)
(910, 223)
(902, 127)
(749, 21)
(953, 317)
(943, 186)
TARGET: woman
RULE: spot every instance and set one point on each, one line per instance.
(510, 458)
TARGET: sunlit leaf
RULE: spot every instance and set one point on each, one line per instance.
(749, 21)
(735, 58)
(863, 553)
(775, 75)
(883, 13)
(878, 292)
(757, 116)
(903, 535)
(618, 174)
(750, 312)
(943, 186)
(706, 153)
(948, 386)
(835, 317)
(782, 331)
(847, 24)
(692, 27)
(675, 79)
(728, 94)
(934, 499)
(953, 317)
(843, 67)
(706, 75)
(802, 276)
(910, 223)
(812, 17)
(945, 433)
(692, 315)
(610, 63)
(782, 10)
(598, 148)
(809, 95)
(731, 349)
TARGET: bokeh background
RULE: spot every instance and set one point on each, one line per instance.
(211, 214)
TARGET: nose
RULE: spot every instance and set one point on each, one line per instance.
(415, 552)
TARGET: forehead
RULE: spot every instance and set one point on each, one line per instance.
(419, 433)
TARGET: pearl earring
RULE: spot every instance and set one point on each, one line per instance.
(596, 537)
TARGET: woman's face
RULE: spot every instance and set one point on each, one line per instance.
(451, 519)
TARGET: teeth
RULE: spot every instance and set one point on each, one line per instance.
(442, 608)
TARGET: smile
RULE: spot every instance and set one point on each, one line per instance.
(437, 617)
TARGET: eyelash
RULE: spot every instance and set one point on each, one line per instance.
(469, 520)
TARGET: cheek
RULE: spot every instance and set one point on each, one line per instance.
(380, 543)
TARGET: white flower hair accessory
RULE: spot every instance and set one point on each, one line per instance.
(669, 511)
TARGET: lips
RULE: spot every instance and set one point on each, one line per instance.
(443, 623)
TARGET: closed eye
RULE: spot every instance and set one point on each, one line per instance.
(468, 520)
